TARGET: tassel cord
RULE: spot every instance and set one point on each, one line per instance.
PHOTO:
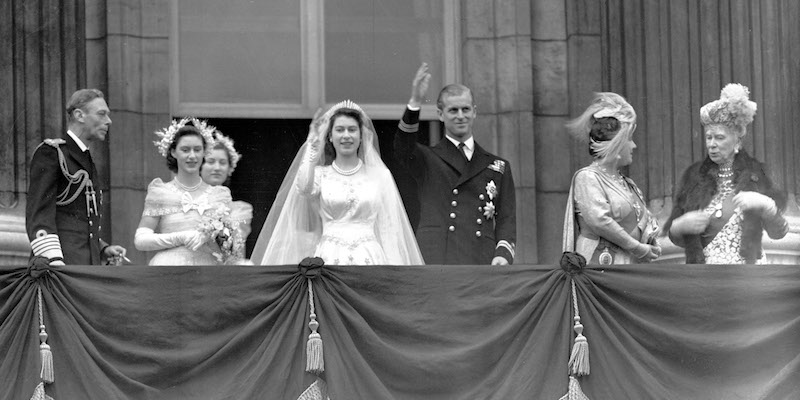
(310, 296)
(579, 358)
(315, 362)
(47, 373)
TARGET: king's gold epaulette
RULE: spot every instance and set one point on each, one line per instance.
(54, 142)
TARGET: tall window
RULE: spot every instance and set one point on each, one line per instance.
(286, 58)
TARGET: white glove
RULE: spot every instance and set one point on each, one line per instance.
(691, 223)
(646, 252)
(195, 240)
(640, 250)
(499, 260)
(147, 240)
(755, 201)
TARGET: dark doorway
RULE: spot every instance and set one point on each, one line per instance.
(268, 147)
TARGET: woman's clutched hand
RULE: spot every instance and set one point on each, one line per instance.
(755, 201)
(646, 252)
(193, 240)
(691, 223)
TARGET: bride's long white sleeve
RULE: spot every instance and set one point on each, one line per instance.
(306, 182)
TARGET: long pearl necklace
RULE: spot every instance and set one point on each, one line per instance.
(724, 189)
(349, 171)
(187, 188)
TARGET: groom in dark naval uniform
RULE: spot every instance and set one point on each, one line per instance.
(466, 194)
(62, 215)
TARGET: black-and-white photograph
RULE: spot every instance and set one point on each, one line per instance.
(385, 199)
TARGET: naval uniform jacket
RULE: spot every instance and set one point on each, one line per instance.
(467, 209)
(72, 230)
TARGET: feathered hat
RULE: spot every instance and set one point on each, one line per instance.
(733, 109)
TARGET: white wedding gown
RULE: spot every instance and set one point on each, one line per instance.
(349, 207)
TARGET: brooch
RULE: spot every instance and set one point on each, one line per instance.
(488, 210)
(491, 191)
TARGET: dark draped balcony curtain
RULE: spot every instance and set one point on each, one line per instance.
(432, 332)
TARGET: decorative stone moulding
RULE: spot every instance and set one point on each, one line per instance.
(14, 245)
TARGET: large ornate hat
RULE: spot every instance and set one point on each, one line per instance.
(733, 109)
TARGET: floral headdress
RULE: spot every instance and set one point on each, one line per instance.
(733, 109)
(167, 134)
(228, 143)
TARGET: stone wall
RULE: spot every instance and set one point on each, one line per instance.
(138, 80)
(532, 64)
(496, 62)
(43, 63)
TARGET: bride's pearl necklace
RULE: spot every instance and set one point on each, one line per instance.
(349, 171)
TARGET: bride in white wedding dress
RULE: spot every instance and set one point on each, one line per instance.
(338, 201)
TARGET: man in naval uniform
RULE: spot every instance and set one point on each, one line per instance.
(62, 215)
(466, 194)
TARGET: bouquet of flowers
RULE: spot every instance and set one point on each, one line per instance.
(225, 232)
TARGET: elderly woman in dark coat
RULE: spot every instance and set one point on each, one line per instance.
(725, 202)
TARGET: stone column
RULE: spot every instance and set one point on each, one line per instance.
(551, 109)
(496, 65)
(44, 53)
(138, 80)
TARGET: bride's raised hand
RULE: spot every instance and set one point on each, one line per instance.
(317, 122)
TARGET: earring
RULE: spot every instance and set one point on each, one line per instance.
(736, 150)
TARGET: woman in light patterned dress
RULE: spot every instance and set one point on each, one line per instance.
(174, 210)
(607, 220)
(725, 202)
(338, 200)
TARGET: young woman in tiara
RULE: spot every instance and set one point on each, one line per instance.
(725, 202)
(218, 166)
(607, 220)
(338, 200)
(181, 216)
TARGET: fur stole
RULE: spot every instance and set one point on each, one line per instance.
(698, 186)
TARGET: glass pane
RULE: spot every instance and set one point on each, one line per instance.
(373, 48)
(240, 51)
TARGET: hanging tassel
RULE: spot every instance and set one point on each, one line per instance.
(39, 393)
(47, 373)
(579, 359)
(315, 363)
(574, 391)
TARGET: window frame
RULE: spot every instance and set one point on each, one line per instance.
(313, 75)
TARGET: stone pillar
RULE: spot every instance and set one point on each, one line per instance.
(496, 65)
(138, 86)
(44, 63)
(551, 109)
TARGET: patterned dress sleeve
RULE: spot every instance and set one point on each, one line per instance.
(160, 200)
